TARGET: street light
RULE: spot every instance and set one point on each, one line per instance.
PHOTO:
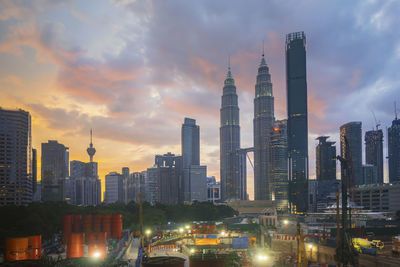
(262, 257)
(285, 222)
(187, 227)
(310, 246)
(223, 233)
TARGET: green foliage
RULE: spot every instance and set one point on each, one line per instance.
(46, 218)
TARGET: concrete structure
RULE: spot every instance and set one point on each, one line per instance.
(352, 133)
(213, 189)
(252, 208)
(279, 165)
(34, 171)
(262, 126)
(194, 176)
(374, 151)
(114, 188)
(152, 185)
(15, 157)
(383, 197)
(169, 178)
(54, 170)
(325, 159)
(85, 185)
(229, 141)
(394, 151)
(370, 174)
(134, 184)
(296, 92)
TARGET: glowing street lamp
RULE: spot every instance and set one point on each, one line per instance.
(285, 222)
(223, 233)
(310, 246)
(187, 227)
(262, 258)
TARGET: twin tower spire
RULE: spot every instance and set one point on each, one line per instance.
(232, 156)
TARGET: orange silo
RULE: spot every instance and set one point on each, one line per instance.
(116, 223)
(106, 224)
(34, 247)
(97, 218)
(87, 223)
(16, 249)
(67, 225)
(75, 245)
(77, 223)
(97, 245)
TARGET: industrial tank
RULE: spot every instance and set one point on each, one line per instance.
(116, 223)
(97, 245)
(97, 218)
(77, 223)
(34, 247)
(87, 223)
(106, 224)
(67, 225)
(16, 249)
(75, 245)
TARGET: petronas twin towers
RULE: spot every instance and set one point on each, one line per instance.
(232, 178)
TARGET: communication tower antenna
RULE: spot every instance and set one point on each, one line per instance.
(395, 111)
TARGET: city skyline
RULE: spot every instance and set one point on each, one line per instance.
(135, 101)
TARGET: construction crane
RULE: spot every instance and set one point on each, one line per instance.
(345, 252)
(377, 123)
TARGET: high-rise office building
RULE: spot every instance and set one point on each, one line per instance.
(394, 151)
(169, 177)
(325, 159)
(190, 143)
(114, 188)
(369, 174)
(125, 172)
(152, 185)
(262, 126)
(279, 167)
(133, 186)
(15, 157)
(34, 171)
(296, 93)
(374, 151)
(350, 133)
(213, 189)
(53, 170)
(194, 175)
(229, 141)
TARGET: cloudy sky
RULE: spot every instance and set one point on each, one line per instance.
(132, 70)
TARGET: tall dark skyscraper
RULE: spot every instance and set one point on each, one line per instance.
(296, 93)
(279, 167)
(194, 175)
(54, 171)
(34, 170)
(190, 139)
(325, 159)
(229, 141)
(262, 125)
(394, 151)
(15, 157)
(352, 132)
(374, 151)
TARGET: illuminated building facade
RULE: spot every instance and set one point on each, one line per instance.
(374, 151)
(279, 164)
(15, 157)
(262, 126)
(230, 142)
(296, 92)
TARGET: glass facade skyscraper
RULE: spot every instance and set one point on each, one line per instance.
(352, 151)
(296, 93)
(229, 141)
(325, 159)
(394, 151)
(374, 151)
(263, 124)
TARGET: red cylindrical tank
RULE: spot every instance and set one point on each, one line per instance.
(97, 245)
(67, 225)
(16, 249)
(106, 224)
(116, 223)
(87, 223)
(75, 245)
(77, 223)
(34, 247)
(97, 218)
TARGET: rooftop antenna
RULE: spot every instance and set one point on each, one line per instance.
(229, 61)
(395, 111)
(263, 49)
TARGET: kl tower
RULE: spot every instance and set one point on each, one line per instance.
(91, 150)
